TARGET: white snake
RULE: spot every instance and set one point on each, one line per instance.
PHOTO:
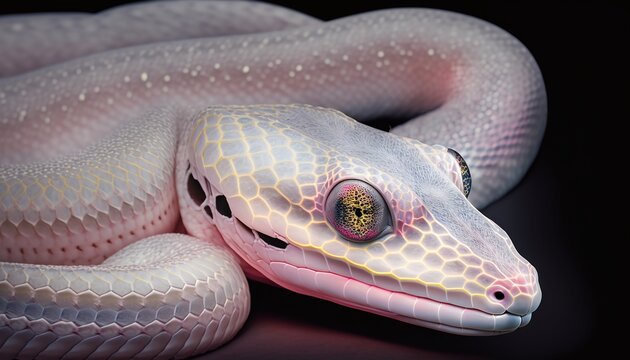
(107, 149)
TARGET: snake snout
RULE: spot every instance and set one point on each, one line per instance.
(518, 295)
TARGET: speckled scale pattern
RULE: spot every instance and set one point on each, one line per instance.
(32, 37)
(480, 88)
(96, 153)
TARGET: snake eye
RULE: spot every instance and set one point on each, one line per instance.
(465, 171)
(357, 211)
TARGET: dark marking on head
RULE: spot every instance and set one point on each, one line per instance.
(195, 191)
(223, 207)
(208, 211)
(275, 242)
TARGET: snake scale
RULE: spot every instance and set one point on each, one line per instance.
(116, 125)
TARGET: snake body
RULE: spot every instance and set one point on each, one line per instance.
(100, 152)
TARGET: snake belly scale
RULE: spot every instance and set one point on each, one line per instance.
(106, 146)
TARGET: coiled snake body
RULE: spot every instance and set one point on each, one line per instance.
(107, 149)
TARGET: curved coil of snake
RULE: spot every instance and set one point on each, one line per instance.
(116, 125)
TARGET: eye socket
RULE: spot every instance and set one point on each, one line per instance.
(357, 211)
(465, 171)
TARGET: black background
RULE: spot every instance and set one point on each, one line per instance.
(559, 217)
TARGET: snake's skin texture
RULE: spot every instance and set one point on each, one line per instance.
(33, 37)
(160, 297)
(101, 154)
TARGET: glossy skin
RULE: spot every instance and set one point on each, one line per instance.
(89, 148)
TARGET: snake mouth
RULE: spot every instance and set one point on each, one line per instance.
(309, 272)
(412, 309)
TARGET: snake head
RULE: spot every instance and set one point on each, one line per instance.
(326, 206)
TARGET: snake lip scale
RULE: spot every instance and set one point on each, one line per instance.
(237, 127)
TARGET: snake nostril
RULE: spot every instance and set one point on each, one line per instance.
(499, 295)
